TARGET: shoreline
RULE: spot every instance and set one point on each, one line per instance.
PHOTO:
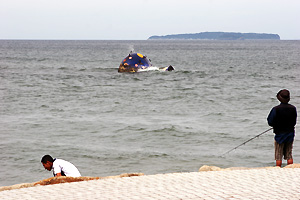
(64, 179)
(216, 183)
(228, 184)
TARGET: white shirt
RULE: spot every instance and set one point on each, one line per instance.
(65, 167)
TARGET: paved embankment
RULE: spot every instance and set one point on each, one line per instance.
(268, 184)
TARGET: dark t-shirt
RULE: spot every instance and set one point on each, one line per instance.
(283, 119)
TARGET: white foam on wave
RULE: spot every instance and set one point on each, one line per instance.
(153, 68)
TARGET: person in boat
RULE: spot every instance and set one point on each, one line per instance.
(283, 120)
(170, 68)
(60, 167)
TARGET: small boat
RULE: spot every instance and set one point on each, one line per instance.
(136, 62)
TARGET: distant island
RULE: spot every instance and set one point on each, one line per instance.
(218, 36)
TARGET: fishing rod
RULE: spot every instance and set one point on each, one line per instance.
(246, 141)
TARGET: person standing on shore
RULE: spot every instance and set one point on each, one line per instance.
(60, 167)
(283, 120)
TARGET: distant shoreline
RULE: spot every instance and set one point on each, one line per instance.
(218, 36)
(145, 40)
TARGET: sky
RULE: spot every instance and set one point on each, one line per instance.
(140, 19)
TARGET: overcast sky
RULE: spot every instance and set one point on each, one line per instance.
(140, 19)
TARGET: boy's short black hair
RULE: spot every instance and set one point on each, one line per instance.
(46, 158)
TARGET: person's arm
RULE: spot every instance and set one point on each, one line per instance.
(57, 169)
(295, 122)
(271, 117)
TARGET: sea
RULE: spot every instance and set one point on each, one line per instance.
(67, 99)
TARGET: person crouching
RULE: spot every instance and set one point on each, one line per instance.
(60, 167)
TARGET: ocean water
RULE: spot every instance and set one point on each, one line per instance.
(66, 99)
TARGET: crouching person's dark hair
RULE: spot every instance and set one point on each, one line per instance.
(46, 158)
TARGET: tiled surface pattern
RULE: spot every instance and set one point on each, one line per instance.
(262, 184)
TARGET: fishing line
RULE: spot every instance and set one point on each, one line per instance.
(246, 141)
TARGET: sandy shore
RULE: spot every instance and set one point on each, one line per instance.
(209, 183)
